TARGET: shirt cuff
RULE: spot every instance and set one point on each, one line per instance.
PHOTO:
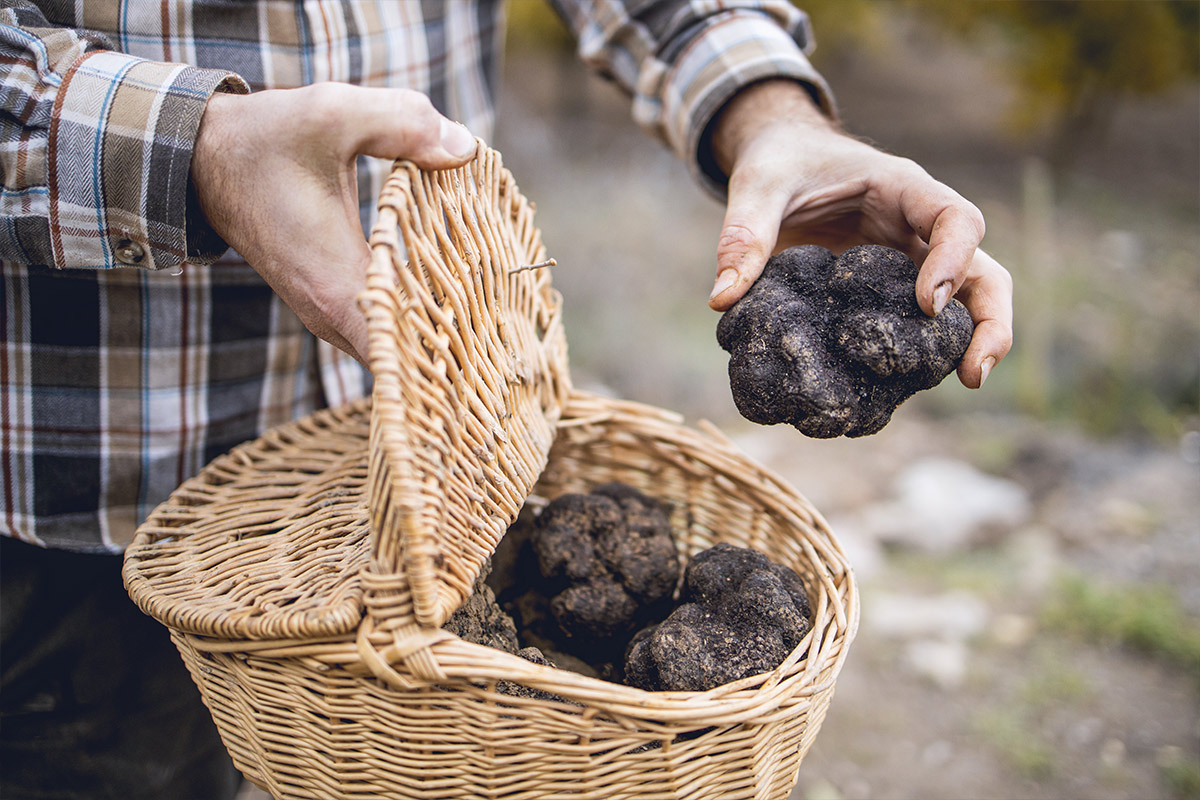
(120, 153)
(733, 52)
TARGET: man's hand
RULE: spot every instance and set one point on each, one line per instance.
(275, 175)
(796, 179)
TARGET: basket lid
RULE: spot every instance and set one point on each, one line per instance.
(301, 532)
(469, 357)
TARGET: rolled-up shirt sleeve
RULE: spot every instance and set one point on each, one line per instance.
(682, 61)
(96, 151)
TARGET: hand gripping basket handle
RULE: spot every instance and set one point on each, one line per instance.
(469, 359)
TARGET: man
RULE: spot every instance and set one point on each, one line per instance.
(141, 140)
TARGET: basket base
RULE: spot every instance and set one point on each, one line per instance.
(439, 744)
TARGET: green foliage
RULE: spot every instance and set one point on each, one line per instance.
(1182, 780)
(1054, 682)
(842, 25)
(1147, 619)
(1072, 58)
(533, 25)
(1011, 733)
(1138, 46)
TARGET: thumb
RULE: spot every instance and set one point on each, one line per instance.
(401, 123)
(748, 235)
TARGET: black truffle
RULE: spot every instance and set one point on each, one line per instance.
(481, 620)
(834, 345)
(535, 656)
(743, 614)
(611, 562)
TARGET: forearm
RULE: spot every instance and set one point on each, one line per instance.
(98, 177)
(681, 62)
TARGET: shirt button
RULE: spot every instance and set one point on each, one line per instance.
(130, 252)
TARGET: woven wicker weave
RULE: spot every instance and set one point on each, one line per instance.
(305, 574)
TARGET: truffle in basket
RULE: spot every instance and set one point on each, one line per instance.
(481, 620)
(834, 345)
(743, 614)
(611, 563)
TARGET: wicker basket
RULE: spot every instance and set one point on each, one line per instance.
(304, 576)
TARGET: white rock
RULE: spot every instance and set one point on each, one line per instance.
(1168, 755)
(1112, 752)
(941, 505)
(1036, 553)
(822, 790)
(952, 616)
(1013, 630)
(940, 661)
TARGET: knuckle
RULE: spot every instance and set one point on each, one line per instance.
(415, 106)
(322, 99)
(910, 171)
(419, 117)
(1005, 342)
(322, 107)
(973, 217)
(736, 236)
(1004, 277)
(747, 173)
(414, 103)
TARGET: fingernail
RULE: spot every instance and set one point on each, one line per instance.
(985, 367)
(727, 278)
(941, 296)
(457, 140)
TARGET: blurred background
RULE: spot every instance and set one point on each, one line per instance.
(1029, 554)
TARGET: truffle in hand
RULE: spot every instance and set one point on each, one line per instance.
(743, 614)
(834, 345)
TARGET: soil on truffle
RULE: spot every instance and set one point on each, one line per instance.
(833, 345)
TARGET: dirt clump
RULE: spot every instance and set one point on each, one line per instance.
(481, 620)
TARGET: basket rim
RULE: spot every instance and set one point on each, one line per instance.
(143, 579)
(741, 698)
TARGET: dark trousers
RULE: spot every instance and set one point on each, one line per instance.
(94, 699)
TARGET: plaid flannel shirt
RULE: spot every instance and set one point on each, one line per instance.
(134, 350)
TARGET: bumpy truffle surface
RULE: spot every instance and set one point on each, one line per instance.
(743, 614)
(610, 559)
(834, 345)
(481, 620)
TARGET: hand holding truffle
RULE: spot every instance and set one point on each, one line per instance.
(795, 178)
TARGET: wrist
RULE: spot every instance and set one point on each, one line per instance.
(205, 240)
(760, 106)
(209, 146)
